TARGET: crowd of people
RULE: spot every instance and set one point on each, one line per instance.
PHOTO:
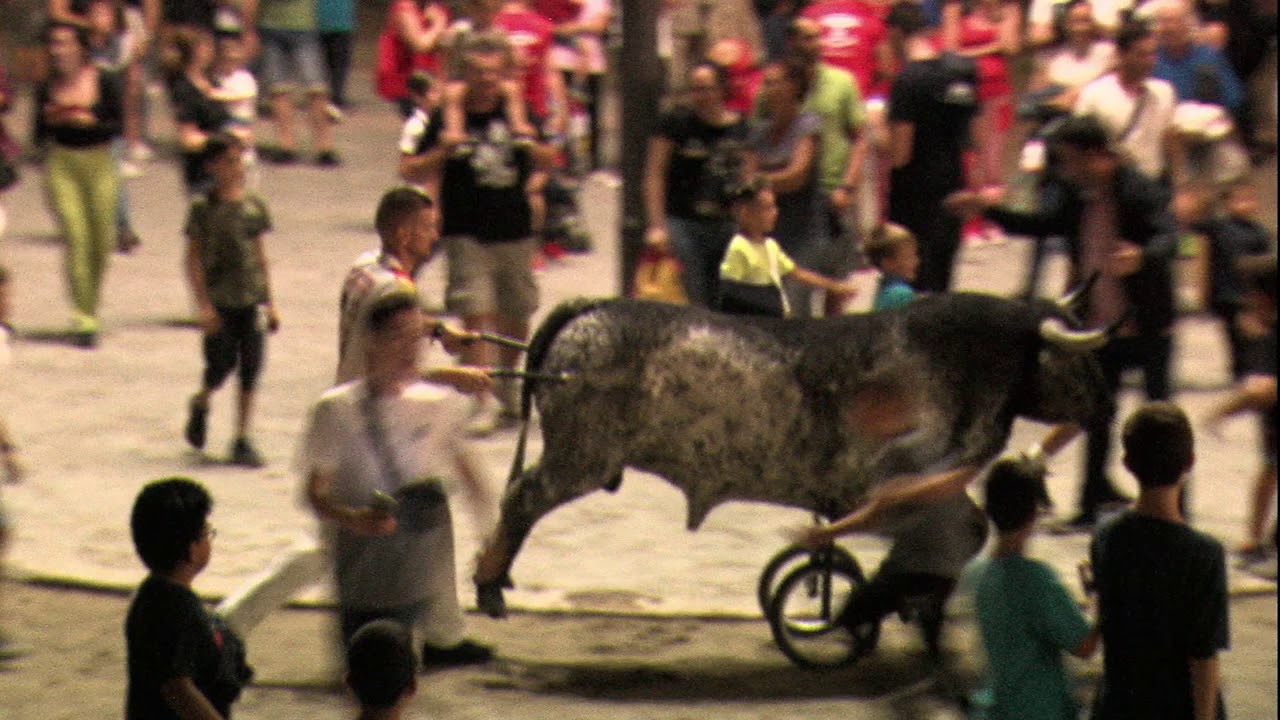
(861, 131)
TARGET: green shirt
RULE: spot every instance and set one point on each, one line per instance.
(226, 235)
(755, 263)
(288, 15)
(834, 97)
(1027, 620)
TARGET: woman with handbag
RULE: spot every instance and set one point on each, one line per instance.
(80, 112)
(784, 148)
(693, 157)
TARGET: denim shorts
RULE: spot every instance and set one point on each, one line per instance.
(291, 59)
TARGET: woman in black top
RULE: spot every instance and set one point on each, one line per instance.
(79, 111)
(694, 156)
(195, 111)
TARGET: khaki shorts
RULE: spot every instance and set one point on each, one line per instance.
(490, 278)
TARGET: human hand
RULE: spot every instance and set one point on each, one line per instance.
(841, 198)
(964, 203)
(657, 239)
(372, 520)
(452, 339)
(465, 379)
(1126, 260)
(809, 536)
(208, 319)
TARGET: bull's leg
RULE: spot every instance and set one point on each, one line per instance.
(534, 494)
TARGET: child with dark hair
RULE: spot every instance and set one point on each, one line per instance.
(173, 657)
(1026, 617)
(227, 268)
(892, 250)
(754, 263)
(1162, 586)
(382, 670)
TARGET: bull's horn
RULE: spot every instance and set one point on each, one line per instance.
(1073, 296)
(1055, 331)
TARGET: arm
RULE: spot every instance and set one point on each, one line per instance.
(930, 487)
(273, 318)
(1254, 392)
(952, 14)
(185, 699)
(822, 282)
(655, 190)
(207, 316)
(1204, 687)
(361, 520)
(792, 177)
(855, 118)
(901, 137)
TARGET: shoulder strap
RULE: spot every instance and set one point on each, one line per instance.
(1138, 106)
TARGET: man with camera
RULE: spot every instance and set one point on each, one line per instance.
(380, 455)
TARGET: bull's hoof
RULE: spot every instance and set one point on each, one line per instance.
(490, 600)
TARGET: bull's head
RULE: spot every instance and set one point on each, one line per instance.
(1068, 385)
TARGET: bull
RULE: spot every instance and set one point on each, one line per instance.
(760, 409)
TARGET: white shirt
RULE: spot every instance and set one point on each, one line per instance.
(1062, 66)
(564, 57)
(1114, 107)
(373, 276)
(241, 91)
(1105, 12)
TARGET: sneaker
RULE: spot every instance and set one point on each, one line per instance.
(244, 454)
(196, 424)
(464, 653)
(328, 158)
(280, 156)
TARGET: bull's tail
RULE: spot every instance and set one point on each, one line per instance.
(555, 321)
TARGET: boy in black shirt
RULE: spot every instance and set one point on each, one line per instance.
(173, 653)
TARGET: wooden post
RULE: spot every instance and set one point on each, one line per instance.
(643, 79)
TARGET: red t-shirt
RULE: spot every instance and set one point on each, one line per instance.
(558, 11)
(531, 36)
(851, 30)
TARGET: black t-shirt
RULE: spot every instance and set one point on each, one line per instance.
(167, 636)
(939, 103)
(705, 161)
(192, 106)
(1231, 239)
(1162, 599)
(482, 193)
(108, 112)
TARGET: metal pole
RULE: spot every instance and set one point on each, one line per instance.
(642, 82)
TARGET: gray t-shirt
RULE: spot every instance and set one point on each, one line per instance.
(937, 537)
(801, 225)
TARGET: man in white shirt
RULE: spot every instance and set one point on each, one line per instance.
(1136, 109)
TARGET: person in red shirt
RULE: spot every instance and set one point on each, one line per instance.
(851, 32)
(531, 35)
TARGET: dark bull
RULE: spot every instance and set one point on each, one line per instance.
(734, 408)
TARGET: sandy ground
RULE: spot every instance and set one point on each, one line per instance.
(558, 667)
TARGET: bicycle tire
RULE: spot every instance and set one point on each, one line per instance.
(804, 617)
(766, 586)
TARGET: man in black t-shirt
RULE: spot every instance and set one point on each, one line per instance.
(173, 656)
(931, 103)
(491, 199)
(1162, 586)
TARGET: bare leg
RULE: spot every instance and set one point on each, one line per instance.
(244, 408)
(318, 118)
(1264, 486)
(282, 115)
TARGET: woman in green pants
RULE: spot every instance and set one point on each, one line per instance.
(79, 111)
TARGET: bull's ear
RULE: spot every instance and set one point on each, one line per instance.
(1070, 301)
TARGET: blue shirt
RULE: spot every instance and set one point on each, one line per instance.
(892, 292)
(1184, 75)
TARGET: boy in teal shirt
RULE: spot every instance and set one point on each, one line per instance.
(1025, 615)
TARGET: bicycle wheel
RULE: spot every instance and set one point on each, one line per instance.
(792, 557)
(804, 617)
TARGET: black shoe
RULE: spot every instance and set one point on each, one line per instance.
(127, 242)
(1081, 523)
(328, 158)
(243, 453)
(464, 653)
(281, 156)
(196, 424)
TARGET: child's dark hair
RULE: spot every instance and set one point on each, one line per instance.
(168, 516)
(380, 664)
(388, 306)
(1013, 491)
(885, 241)
(419, 83)
(1158, 444)
(218, 144)
(397, 205)
(747, 190)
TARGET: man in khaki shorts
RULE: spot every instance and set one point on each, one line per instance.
(491, 194)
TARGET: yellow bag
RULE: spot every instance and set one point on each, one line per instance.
(658, 278)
